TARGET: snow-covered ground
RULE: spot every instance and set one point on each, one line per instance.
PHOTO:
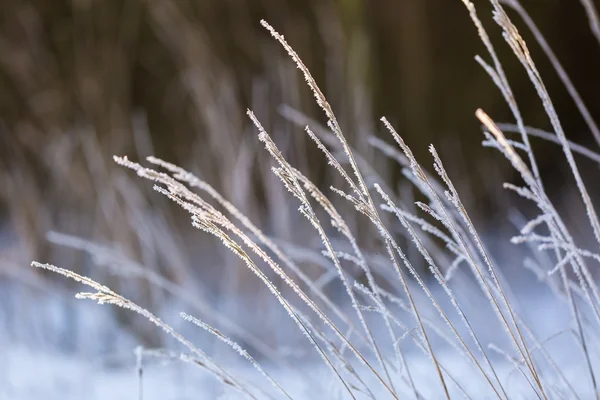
(29, 375)
(29, 372)
(54, 347)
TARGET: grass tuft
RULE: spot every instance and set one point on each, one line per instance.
(394, 316)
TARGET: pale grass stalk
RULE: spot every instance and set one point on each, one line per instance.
(122, 266)
(556, 225)
(174, 356)
(338, 222)
(209, 223)
(242, 352)
(104, 295)
(392, 248)
(453, 194)
(558, 230)
(193, 181)
(360, 189)
(370, 211)
(428, 321)
(209, 226)
(166, 354)
(337, 353)
(413, 333)
(518, 340)
(443, 283)
(425, 189)
(332, 140)
(564, 77)
(209, 215)
(592, 14)
(516, 365)
(287, 175)
(550, 137)
(207, 218)
(537, 193)
(539, 345)
(499, 77)
(520, 49)
(322, 102)
(432, 230)
(361, 163)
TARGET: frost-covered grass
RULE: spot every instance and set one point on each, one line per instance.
(461, 328)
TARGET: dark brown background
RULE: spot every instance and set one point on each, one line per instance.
(84, 79)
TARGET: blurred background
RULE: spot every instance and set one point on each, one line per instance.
(83, 80)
